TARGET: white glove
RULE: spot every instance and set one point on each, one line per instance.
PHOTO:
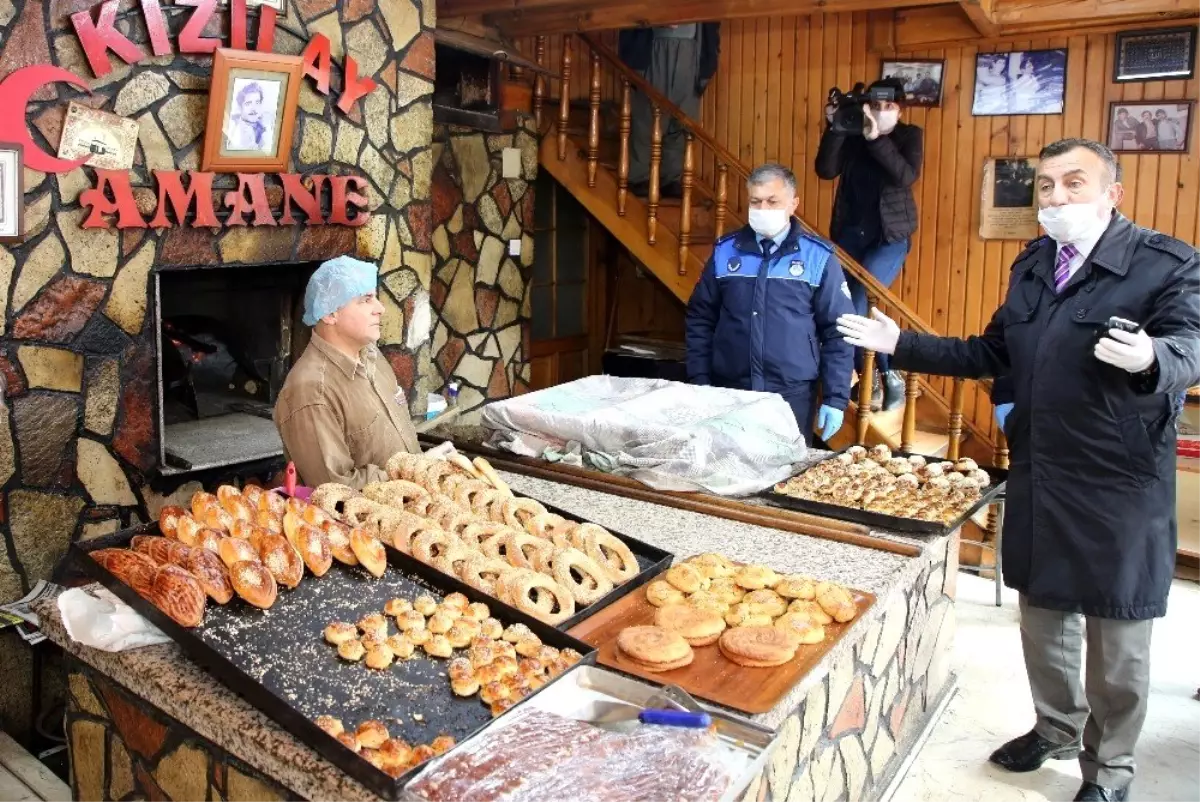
(1131, 352)
(880, 334)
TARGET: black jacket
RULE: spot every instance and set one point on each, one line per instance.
(899, 154)
(1090, 521)
(634, 44)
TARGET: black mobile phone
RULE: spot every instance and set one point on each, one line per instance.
(1118, 323)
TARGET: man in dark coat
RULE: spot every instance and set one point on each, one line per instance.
(678, 61)
(1089, 528)
(874, 214)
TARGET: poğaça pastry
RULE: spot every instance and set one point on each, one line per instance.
(877, 481)
(373, 743)
(511, 548)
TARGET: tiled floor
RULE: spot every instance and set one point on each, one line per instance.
(993, 704)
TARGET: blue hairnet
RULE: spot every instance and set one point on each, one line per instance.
(336, 283)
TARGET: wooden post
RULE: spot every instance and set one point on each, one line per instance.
(539, 83)
(865, 381)
(655, 167)
(564, 98)
(722, 199)
(956, 419)
(623, 159)
(1001, 450)
(594, 121)
(911, 393)
(685, 205)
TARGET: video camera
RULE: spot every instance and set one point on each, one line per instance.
(848, 106)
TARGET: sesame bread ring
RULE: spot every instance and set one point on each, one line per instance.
(431, 544)
(482, 501)
(402, 465)
(401, 533)
(609, 552)
(331, 496)
(481, 572)
(451, 483)
(496, 546)
(660, 593)
(475, 533)
(434, 474)
(360, 510)
(521, 548)
(452, 559)
(686, 578)
(517, 511)
(464, 495)
(548, 525)
(395, 493)
(522, 593)
(579, 573)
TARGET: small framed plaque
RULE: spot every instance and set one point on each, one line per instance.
(1167, 53)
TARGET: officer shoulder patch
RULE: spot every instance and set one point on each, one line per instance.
(1177, 248)
(813, 238)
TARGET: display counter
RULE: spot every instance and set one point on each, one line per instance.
(153, 724)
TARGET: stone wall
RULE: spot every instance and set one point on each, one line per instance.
(77, 431)
(122, 748)
(849, 736)
(479, 293)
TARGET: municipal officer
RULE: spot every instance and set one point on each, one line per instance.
(764, 314)
(1089, 528)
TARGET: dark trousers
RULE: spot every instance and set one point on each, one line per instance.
(672, 71)
(803, 401)
(883, 260)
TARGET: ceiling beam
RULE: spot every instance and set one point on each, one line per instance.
(1030, 12)
(981, 15)
(457, 8)
(595, 15)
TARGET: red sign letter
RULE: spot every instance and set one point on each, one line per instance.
(309, 202)
(97, 38)
(172, 193)
(355, 87)
(160, 43)
(238, 203)
(343, 198)
(266, 29)
(316, 62)
(122, 202)
(190, 40)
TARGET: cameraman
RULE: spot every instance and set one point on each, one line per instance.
(874, 214)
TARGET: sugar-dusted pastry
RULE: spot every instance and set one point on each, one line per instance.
(661, 593)
(796, 587)
(371, 734)
(686, 578)
(810, 609)
(802, 628)
(351, 650)
(766, 601)
(395, 607)
(380, 656)
(756, 577)
(425, 604)
(253, 582)
(836, 601)
(745, 615)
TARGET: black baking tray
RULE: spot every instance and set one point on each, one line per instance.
(651, 560)
(278, 661)
(880, 520)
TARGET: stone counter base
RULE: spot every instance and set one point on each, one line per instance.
(123, 748)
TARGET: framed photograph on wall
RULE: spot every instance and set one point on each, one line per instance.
(12, 192)
(922, 80)
(251, 111)
(1008, 207)
(1150, 126)
(1164, 54)
(1020, 82)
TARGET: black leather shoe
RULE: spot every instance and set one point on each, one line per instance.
(672, 190)
(876, 394)
(1030, 751)
(640, 188)
(893, 391)
(1090, 792)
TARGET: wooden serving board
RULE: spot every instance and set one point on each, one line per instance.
(711, 676)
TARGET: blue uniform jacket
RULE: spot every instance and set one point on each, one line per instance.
(770, 325)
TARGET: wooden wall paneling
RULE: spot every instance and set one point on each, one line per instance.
(788, 109)
(766, 71)
(947, 134)
(814, 119)
(1186, 213)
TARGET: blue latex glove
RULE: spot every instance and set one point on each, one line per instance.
(1002, 411)
(829, 420)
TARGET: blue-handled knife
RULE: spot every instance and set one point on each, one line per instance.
(622, 717)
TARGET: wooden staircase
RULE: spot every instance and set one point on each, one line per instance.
(585, 148)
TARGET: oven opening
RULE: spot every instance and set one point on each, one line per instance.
(227, 338)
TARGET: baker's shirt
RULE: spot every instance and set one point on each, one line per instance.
(342, 419)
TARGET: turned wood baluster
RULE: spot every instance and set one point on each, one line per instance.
(722, 199)
(539, 83)
(594, 121)
(564, 99)
(993, 519)
(912, 391)
(685, 205)
(623, 159)
(956, 419)
(865, 381)
(655, 167)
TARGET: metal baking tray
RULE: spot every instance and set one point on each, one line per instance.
(651, 559)
(579, 686)
(880, 520)
(278, 661)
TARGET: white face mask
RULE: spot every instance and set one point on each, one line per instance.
(887, 120)
(768, 222)
(1075, 222)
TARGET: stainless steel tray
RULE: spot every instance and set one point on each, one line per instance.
(575, 690)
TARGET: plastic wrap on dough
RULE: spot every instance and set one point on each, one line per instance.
(541, 756)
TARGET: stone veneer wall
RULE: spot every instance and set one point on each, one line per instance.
(77, 432)
(122, 748)
(480, 294)
(849, 736)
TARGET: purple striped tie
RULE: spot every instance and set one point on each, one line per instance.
(1062, 266)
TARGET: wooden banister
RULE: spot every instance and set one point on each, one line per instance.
(685, 204)
(912, 392)
(564, 99)
(623, 160)
(656, 135)
(539, 84)
(956, 419)
(593, 157)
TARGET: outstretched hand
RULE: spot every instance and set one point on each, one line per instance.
(877, 333)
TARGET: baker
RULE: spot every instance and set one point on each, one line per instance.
(1089, 528)
(341, 414)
